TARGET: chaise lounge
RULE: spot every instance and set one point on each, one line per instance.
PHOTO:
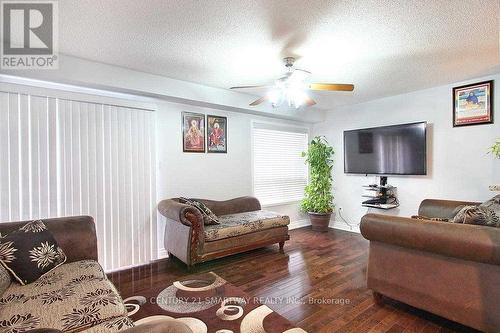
(243, 226)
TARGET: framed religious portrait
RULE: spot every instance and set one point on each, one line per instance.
(216, 134)
(473, 104)
(193, 132)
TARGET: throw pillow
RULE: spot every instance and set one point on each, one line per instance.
(456, 211)
(478, 215)
(209, 218)
(30, 252)
(493, 204)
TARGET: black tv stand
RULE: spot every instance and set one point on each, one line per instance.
(382, 196)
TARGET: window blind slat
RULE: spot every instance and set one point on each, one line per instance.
(280, 173)
(4, 168)
(53, 156)
(14, 156)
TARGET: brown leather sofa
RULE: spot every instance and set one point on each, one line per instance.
(244, 226)
(452, 270)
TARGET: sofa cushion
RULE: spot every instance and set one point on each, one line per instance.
(71, 298)
(244, 223)
(112, 325)
(5, 280)
(72, 273)
(30, 252)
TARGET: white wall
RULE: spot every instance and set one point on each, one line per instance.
(458, 166)
(210, 176)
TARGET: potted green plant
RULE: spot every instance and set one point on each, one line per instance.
(318, 200)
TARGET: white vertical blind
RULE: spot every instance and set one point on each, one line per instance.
(279, 170)
(63, 157)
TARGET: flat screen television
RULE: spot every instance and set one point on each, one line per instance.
(388, 150)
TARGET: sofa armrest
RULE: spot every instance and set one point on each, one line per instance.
(462, 241)
(76, 235)
(176, 211)
(233, 206)
(443, 209)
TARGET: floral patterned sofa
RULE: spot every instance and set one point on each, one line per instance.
(71, 298)
(74, 297)
(243, 226)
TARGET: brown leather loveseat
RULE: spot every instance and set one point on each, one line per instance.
(243, 226)
(449, 269)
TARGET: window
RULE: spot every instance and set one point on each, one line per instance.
(279, 171)
(64, 157)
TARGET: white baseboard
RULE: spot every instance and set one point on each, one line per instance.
(343, 226)
(333, 224)
(299, 224)
(162, 253)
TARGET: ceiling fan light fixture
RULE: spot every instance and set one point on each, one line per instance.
(275, 97)
(296, 97)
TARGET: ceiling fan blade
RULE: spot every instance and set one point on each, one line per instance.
(309, 101)
(249, 87)
(302, 70)
(331, 86)
(258, 101)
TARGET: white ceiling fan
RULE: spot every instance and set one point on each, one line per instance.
(292, 88)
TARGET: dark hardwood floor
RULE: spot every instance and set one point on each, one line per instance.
(316, 266)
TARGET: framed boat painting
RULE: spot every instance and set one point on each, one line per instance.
(216, 134)
(473, 104)
(193, 132)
